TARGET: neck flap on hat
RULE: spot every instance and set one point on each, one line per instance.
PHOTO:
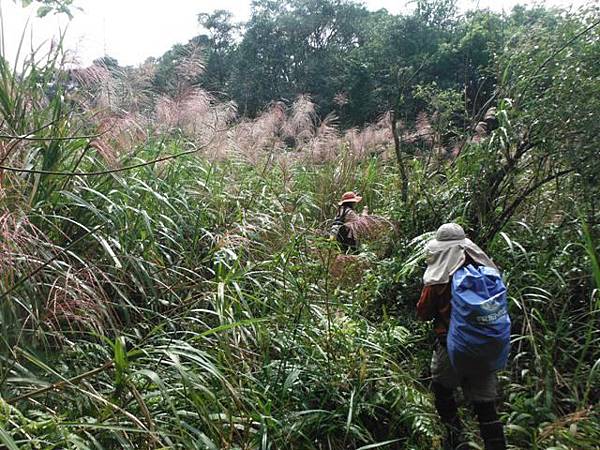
(443, 262)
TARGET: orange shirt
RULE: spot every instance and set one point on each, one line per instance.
(434, 303)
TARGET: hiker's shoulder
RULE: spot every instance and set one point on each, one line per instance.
(350, 214)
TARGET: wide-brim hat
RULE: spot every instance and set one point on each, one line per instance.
(448, 235)
(349, 197)
(435, 246)
(448, 251)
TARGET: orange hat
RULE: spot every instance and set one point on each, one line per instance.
(349, 197)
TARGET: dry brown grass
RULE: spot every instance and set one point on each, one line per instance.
(422, 132)
(348, 270)
(284, 134)
(78, 302)
(326, 142)
(368, 227)
(375, 138)
(19, 240)
(119, 135)
(569, 421)
(301, 120)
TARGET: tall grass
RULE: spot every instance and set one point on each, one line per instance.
(192, 302)
(207, 308)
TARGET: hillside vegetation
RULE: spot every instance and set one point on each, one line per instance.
(166, 274)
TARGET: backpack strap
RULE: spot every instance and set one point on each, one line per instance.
(342, 213)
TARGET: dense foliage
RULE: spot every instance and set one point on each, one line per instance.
(354, 62)
(166, 276)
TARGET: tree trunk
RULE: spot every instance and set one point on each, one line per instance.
(399, 159)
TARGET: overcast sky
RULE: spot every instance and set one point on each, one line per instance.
(132, 30)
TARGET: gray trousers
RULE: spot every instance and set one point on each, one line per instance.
(477, 387)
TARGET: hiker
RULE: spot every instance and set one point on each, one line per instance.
(346, 213)
(452, 255)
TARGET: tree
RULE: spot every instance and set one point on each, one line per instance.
(294, 47)
(48, 6)
(219, 46)
(547, 106)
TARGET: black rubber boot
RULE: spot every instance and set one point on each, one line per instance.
(454, 435)
(492, 431)
(448, 411)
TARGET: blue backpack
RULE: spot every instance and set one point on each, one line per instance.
(479, 334)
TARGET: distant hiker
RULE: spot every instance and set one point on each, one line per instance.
(465, 296)
(346, 213)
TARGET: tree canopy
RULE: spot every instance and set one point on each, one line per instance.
(350, 60)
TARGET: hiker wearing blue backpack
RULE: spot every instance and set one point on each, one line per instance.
(465, 296)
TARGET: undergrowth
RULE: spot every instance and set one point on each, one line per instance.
(167, 279)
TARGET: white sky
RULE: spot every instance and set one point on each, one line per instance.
(132, 30)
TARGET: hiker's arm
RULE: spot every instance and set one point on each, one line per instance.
(426, 304)
(335, 227)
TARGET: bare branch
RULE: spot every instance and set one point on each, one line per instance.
(109, 171)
